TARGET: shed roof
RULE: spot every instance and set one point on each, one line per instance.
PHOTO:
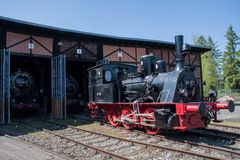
(31, 28)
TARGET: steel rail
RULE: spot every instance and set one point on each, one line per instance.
(86, 145)
(228, 151)
(221, 125)
(148, 145)
(218, 134)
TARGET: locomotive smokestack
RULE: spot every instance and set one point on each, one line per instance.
(179, 55)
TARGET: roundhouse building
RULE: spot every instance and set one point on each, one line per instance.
(51, 55)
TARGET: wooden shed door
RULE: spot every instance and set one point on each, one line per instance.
(4, 86)
(58, 76)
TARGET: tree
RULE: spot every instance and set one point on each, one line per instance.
(201, 41)
(209, 73)
(231, 74)
(217, 55)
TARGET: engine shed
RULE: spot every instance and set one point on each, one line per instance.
(57, 61)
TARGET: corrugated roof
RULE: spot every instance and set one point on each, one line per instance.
(10, 23)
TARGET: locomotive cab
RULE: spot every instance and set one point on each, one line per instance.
(103, 81)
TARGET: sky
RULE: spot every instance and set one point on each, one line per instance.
(149, 19)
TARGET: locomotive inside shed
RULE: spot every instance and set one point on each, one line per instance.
(30, 85)
(76, 85)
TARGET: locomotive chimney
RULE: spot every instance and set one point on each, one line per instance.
(179, 55)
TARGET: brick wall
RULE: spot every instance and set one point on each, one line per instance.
(129, 54)
(13, 38)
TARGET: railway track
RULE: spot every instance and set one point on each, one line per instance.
(53, 142)
(106, 154)
(130, 148)
(205, 138)
(220, 132)
(194, 138)
(78, 143)
(226, 128)
(193, 142)
(160, 142)
(212, 133)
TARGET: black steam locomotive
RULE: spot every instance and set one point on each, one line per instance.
(121, 83)
(153, 99)
(24, 94)
(75, 102)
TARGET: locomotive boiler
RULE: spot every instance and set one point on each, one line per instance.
(152, 99)
(24, 95)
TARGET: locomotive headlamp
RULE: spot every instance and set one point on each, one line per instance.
(108, 75)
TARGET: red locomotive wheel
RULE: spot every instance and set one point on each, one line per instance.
(128, 113)
(114, 114)
(151, 130)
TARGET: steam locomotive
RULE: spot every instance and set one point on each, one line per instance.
(75, 102)
(24, 95)
(153, 99)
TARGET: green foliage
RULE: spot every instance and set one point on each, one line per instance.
(230, 61)
(216, 55)
(209, 72)
(232, 93)
(233, 81)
